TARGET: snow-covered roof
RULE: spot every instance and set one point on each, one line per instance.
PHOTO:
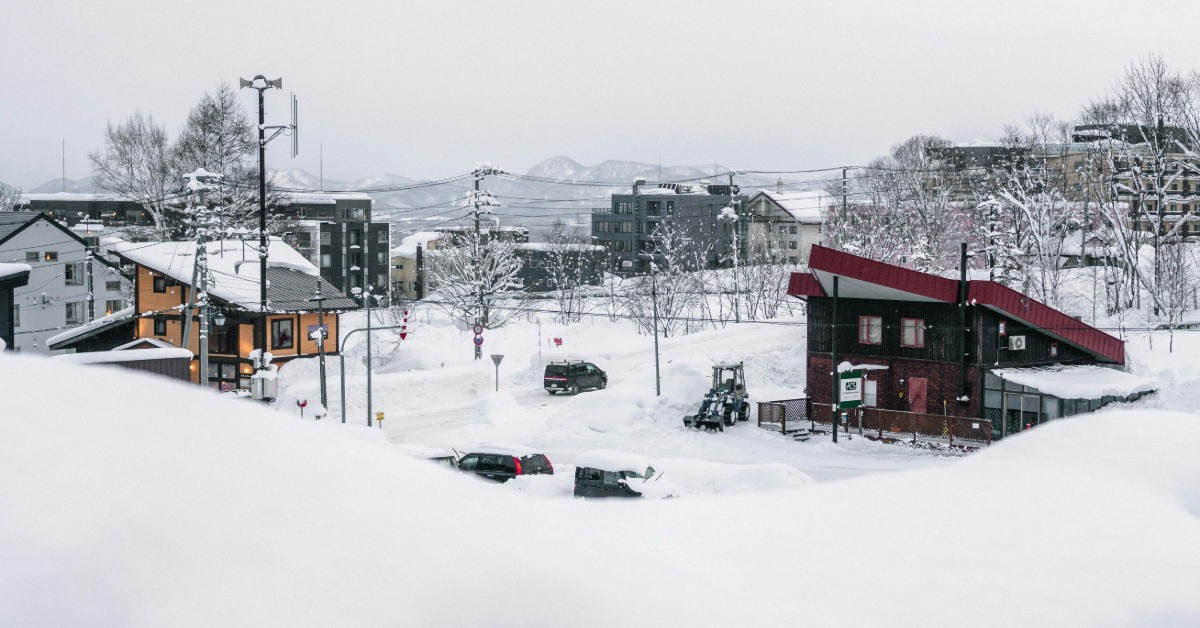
(131, 355)
(322, 198)
(1079, 381)
(235, 276)
(611, 460)
(548, 246)
(72, 196)
(157, 342)
(408, 246)
(87, 329)
(805, 207)
(8, 269)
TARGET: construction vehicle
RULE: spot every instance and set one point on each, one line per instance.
(725, 402)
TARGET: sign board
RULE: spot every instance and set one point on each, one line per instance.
(318, 332)
(496, 358)
(850, 389)
(378, 416)
(558, 342)
(478, 341)
(478, 329)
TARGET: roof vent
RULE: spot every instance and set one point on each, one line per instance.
(779, 186)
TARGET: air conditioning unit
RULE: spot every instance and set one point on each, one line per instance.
(1016, 343)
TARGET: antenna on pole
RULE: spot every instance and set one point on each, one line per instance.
(295, 126)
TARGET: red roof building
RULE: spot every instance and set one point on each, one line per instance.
(935, 345)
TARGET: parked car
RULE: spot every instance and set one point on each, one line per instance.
(573, 376)
(449, 461)
(605, 473)
(504, 463)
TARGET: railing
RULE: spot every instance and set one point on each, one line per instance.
(785, 416)
(938, 426)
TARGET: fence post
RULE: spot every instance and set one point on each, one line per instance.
(914, 428)
(951, 433)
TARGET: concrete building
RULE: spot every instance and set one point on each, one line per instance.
(334, 231)
(68, 285)
(628, 227)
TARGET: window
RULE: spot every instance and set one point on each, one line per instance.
(281, 333)
(304, 240)
(1054, 349)
(792, 259)
(782, 229)
(381, 279)
(1003, 327)
(32, 256)
(326, 238)
(74, 312)
(160, 284)
(355, 238)
(792, 229)
(113, 305)
(623, 207)
(73, 274)
(112, 286)
(383, 237)
(912, 332)
(381, 257)
(870, 330)
(16, 315)
(358, 213)
(160, 326)
(792, 244)
(326, 260)
(51, 256)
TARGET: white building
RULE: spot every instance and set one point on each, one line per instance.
(67, 286)
(783, 226)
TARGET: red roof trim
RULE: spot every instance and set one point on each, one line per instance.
(1047, 319)
(897, 277)
(804, 285)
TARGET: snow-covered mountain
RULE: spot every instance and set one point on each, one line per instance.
(536, 204)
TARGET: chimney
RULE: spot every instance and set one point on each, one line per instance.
(779, 186)
(637, 183)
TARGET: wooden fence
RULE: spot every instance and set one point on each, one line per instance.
(913, 424)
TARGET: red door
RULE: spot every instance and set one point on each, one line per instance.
(916, 393)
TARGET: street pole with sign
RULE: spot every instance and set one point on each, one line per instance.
(496, 360)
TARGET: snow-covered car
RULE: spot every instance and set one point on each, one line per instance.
(606, 473)
(502, 463)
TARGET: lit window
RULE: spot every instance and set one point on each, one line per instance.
(281, 334)
(51, 256)
(912, 332)
(870, 330)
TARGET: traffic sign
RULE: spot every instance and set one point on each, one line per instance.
(496, 358)
(478, 329)
(478, 341)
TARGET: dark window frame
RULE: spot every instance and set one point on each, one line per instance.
(160, 325)
(277, 328)
(160, 284)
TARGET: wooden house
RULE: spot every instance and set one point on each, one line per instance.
(932, 345)
(163, 274)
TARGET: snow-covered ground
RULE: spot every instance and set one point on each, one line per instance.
(438, 398)
(136, 501)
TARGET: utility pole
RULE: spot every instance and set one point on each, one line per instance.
(88, 256)
(481, 313)
(367, 301)
(260, 84)
(834, 355)
(845, 227)
(321, 334)
(737, 221)
(200, 182)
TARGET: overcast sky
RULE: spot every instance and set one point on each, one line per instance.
(429, 89)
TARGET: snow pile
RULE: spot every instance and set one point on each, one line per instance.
(188, 508)
(1078, 381)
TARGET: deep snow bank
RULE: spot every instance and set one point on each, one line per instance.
(138, 502)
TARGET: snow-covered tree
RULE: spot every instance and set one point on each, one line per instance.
(136, 164)
(10, 196)
(568, 251)
(477, 279)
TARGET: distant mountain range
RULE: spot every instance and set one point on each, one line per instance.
(533, 203)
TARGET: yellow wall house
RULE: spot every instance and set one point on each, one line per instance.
(162, 283)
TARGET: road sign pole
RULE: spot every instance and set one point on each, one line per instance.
(496, 358)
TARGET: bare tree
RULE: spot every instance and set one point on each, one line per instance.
(10, 197)
(136, 164)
